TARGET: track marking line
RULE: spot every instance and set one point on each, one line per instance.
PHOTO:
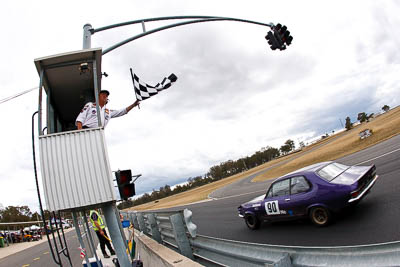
(35, 259)
(47, 252)
(25, 265)
(388, 153)
(239, 195)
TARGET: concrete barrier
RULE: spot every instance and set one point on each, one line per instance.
(155, 254)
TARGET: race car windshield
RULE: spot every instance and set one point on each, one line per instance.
(331, 171)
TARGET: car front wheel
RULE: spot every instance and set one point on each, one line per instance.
(252, 221)
(320, 216)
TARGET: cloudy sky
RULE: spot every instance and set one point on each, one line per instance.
(234, 94)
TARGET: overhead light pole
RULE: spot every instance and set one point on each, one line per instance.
(87, 36)
(88, 30)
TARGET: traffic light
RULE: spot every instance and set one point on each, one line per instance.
(125, 187)
(272, 40)
(287, 38)
(277, 33)
(282, 35)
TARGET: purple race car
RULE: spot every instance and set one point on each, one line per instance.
(316, 191)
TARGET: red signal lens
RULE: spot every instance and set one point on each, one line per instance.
(125, 176)
(127, 191)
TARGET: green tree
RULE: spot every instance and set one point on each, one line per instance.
(291, 145)
(349, 124)
(36, 216)
(285, 149)
(16, 214)
(47, 214)
(301, 144)
(369, 116)
(362, 117)
(385, 108)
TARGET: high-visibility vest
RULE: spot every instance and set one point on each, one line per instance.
(96, 216)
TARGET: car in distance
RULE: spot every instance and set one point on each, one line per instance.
(317, 191)
(65, 225)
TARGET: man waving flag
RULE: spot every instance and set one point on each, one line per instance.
(144, 90)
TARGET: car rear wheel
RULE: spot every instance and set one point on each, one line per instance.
(252, 221)
(320, 216)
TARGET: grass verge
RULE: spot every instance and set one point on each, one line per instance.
(336, 146)
(383, 127)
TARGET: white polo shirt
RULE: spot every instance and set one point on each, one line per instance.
(88, 115)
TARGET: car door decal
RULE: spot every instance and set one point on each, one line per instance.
(272, 207)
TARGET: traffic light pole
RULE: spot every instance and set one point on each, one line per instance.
(88, 30)
(115, 234)
(87, 36)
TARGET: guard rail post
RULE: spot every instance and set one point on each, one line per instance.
(155, 233)
(142, 225)
(180, 235)
(285, 261)
(134, 221)
(121, 229)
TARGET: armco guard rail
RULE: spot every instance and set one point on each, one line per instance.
(176, 230)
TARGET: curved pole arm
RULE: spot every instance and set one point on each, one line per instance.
(93, 31)
(180, 24)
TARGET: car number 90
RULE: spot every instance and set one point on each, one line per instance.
(272, 207)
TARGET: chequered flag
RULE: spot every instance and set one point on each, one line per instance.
(144, 90)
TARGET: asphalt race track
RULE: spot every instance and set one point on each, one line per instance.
(374, 220)
(40, 256)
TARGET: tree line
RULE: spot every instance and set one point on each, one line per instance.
(12, 214)
(363, 117)
(215, 173)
